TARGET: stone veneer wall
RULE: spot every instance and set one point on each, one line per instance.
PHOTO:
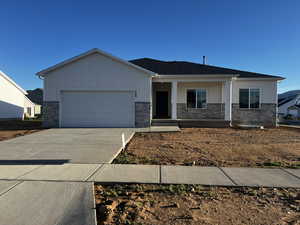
(264, 116)
(142, 114)
(51, 114)
(212, 111)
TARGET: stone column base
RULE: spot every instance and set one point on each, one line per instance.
(50, 114)
(142, 114)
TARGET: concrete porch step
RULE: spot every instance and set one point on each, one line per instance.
(164, 122)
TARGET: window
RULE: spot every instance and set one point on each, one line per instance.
(249, 98)
(29, 110)
(196, 98)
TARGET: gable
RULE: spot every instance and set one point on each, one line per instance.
(91, 52)
(6, 80)
(96, 72)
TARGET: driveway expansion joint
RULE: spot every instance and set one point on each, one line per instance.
(160, 179)
(285, 170)
(17, 178)
(10, 188)
(96, 170)
(228, 176)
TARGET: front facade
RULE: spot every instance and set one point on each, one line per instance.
(13, 101)
(96, 89)
(228, 98)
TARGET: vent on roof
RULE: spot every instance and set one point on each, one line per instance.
(204, 60)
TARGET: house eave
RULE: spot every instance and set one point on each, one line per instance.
(12, 82)
(260, 78)
(200, 76)
(29, 100)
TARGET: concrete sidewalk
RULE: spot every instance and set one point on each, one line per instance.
(154, 174)
(48, 203)
(67, 189)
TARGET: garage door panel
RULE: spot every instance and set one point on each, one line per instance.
(97, 109)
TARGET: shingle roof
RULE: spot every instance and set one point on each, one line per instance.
(187, 68)
(286, 100)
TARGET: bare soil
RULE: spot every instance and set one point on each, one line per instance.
(278, 147)
(193, 204)
(8, 134)
(16, 128)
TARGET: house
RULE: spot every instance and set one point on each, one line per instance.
(13, 101)
(96, 89)
(37, 109)
(289, 106)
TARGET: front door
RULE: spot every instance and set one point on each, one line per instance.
(162, 102)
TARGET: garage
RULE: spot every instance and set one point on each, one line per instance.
(97, 109)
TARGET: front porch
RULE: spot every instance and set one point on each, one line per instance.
(198, 103)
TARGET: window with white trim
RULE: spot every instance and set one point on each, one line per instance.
(196, 98)
(249, 98)
(29, 110)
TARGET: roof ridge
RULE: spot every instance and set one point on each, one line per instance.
(203, 65)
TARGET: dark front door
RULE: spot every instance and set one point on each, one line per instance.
(162, 102)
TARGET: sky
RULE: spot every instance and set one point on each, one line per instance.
(257, 35)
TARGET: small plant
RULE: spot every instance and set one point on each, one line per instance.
(294, 166)
(123, 158)
(273, 164)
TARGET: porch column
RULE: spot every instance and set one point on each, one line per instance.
(174, 100)
(228, 99)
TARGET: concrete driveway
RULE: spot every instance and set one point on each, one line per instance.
(86, 145)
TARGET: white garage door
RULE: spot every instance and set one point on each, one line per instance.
(97, 109)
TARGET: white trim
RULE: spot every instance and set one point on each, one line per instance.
(228, 100)
(42, 73)
(12, 82)
(30, 100)
(198, 88)
(174, 99)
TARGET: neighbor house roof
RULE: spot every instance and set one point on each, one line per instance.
(288, 99)
(12, 82)
(190, 68)
(90, 52)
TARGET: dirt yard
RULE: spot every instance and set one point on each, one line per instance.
(216, 147)
(193, 204)
(12, 129)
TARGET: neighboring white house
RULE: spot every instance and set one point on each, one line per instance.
(289, 106)
(96, 89)
(13, 101)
